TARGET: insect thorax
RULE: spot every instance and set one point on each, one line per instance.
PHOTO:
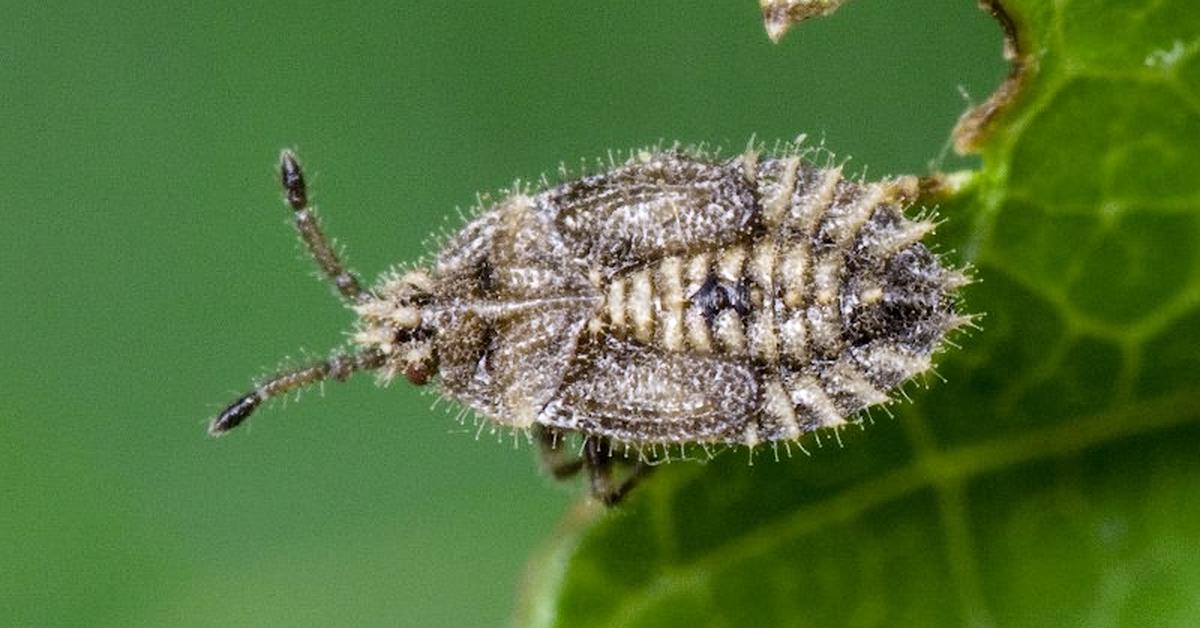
(675, 299)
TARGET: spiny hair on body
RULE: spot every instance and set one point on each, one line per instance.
(669, 299)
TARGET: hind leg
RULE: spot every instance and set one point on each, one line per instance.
(598, 457)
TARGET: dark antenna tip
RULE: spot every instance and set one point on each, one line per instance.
(233, 415)
(293, 180)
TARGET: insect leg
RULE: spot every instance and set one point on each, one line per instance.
(599, 462)
(337, 368)
(310, 231)
(553, 453)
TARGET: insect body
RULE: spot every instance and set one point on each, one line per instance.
(671, 300)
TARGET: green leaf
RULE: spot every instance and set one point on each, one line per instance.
(1054, 478)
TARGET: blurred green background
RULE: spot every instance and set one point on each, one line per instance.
(149, 271)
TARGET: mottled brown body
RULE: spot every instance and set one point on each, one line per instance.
(675, 299)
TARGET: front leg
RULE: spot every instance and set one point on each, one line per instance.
(552, 449)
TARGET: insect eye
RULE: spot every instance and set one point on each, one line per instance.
(417, 374)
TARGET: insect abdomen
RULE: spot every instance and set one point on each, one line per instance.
(830, 301)
(676, 300)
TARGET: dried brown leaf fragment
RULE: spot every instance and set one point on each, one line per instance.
(779, 15)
